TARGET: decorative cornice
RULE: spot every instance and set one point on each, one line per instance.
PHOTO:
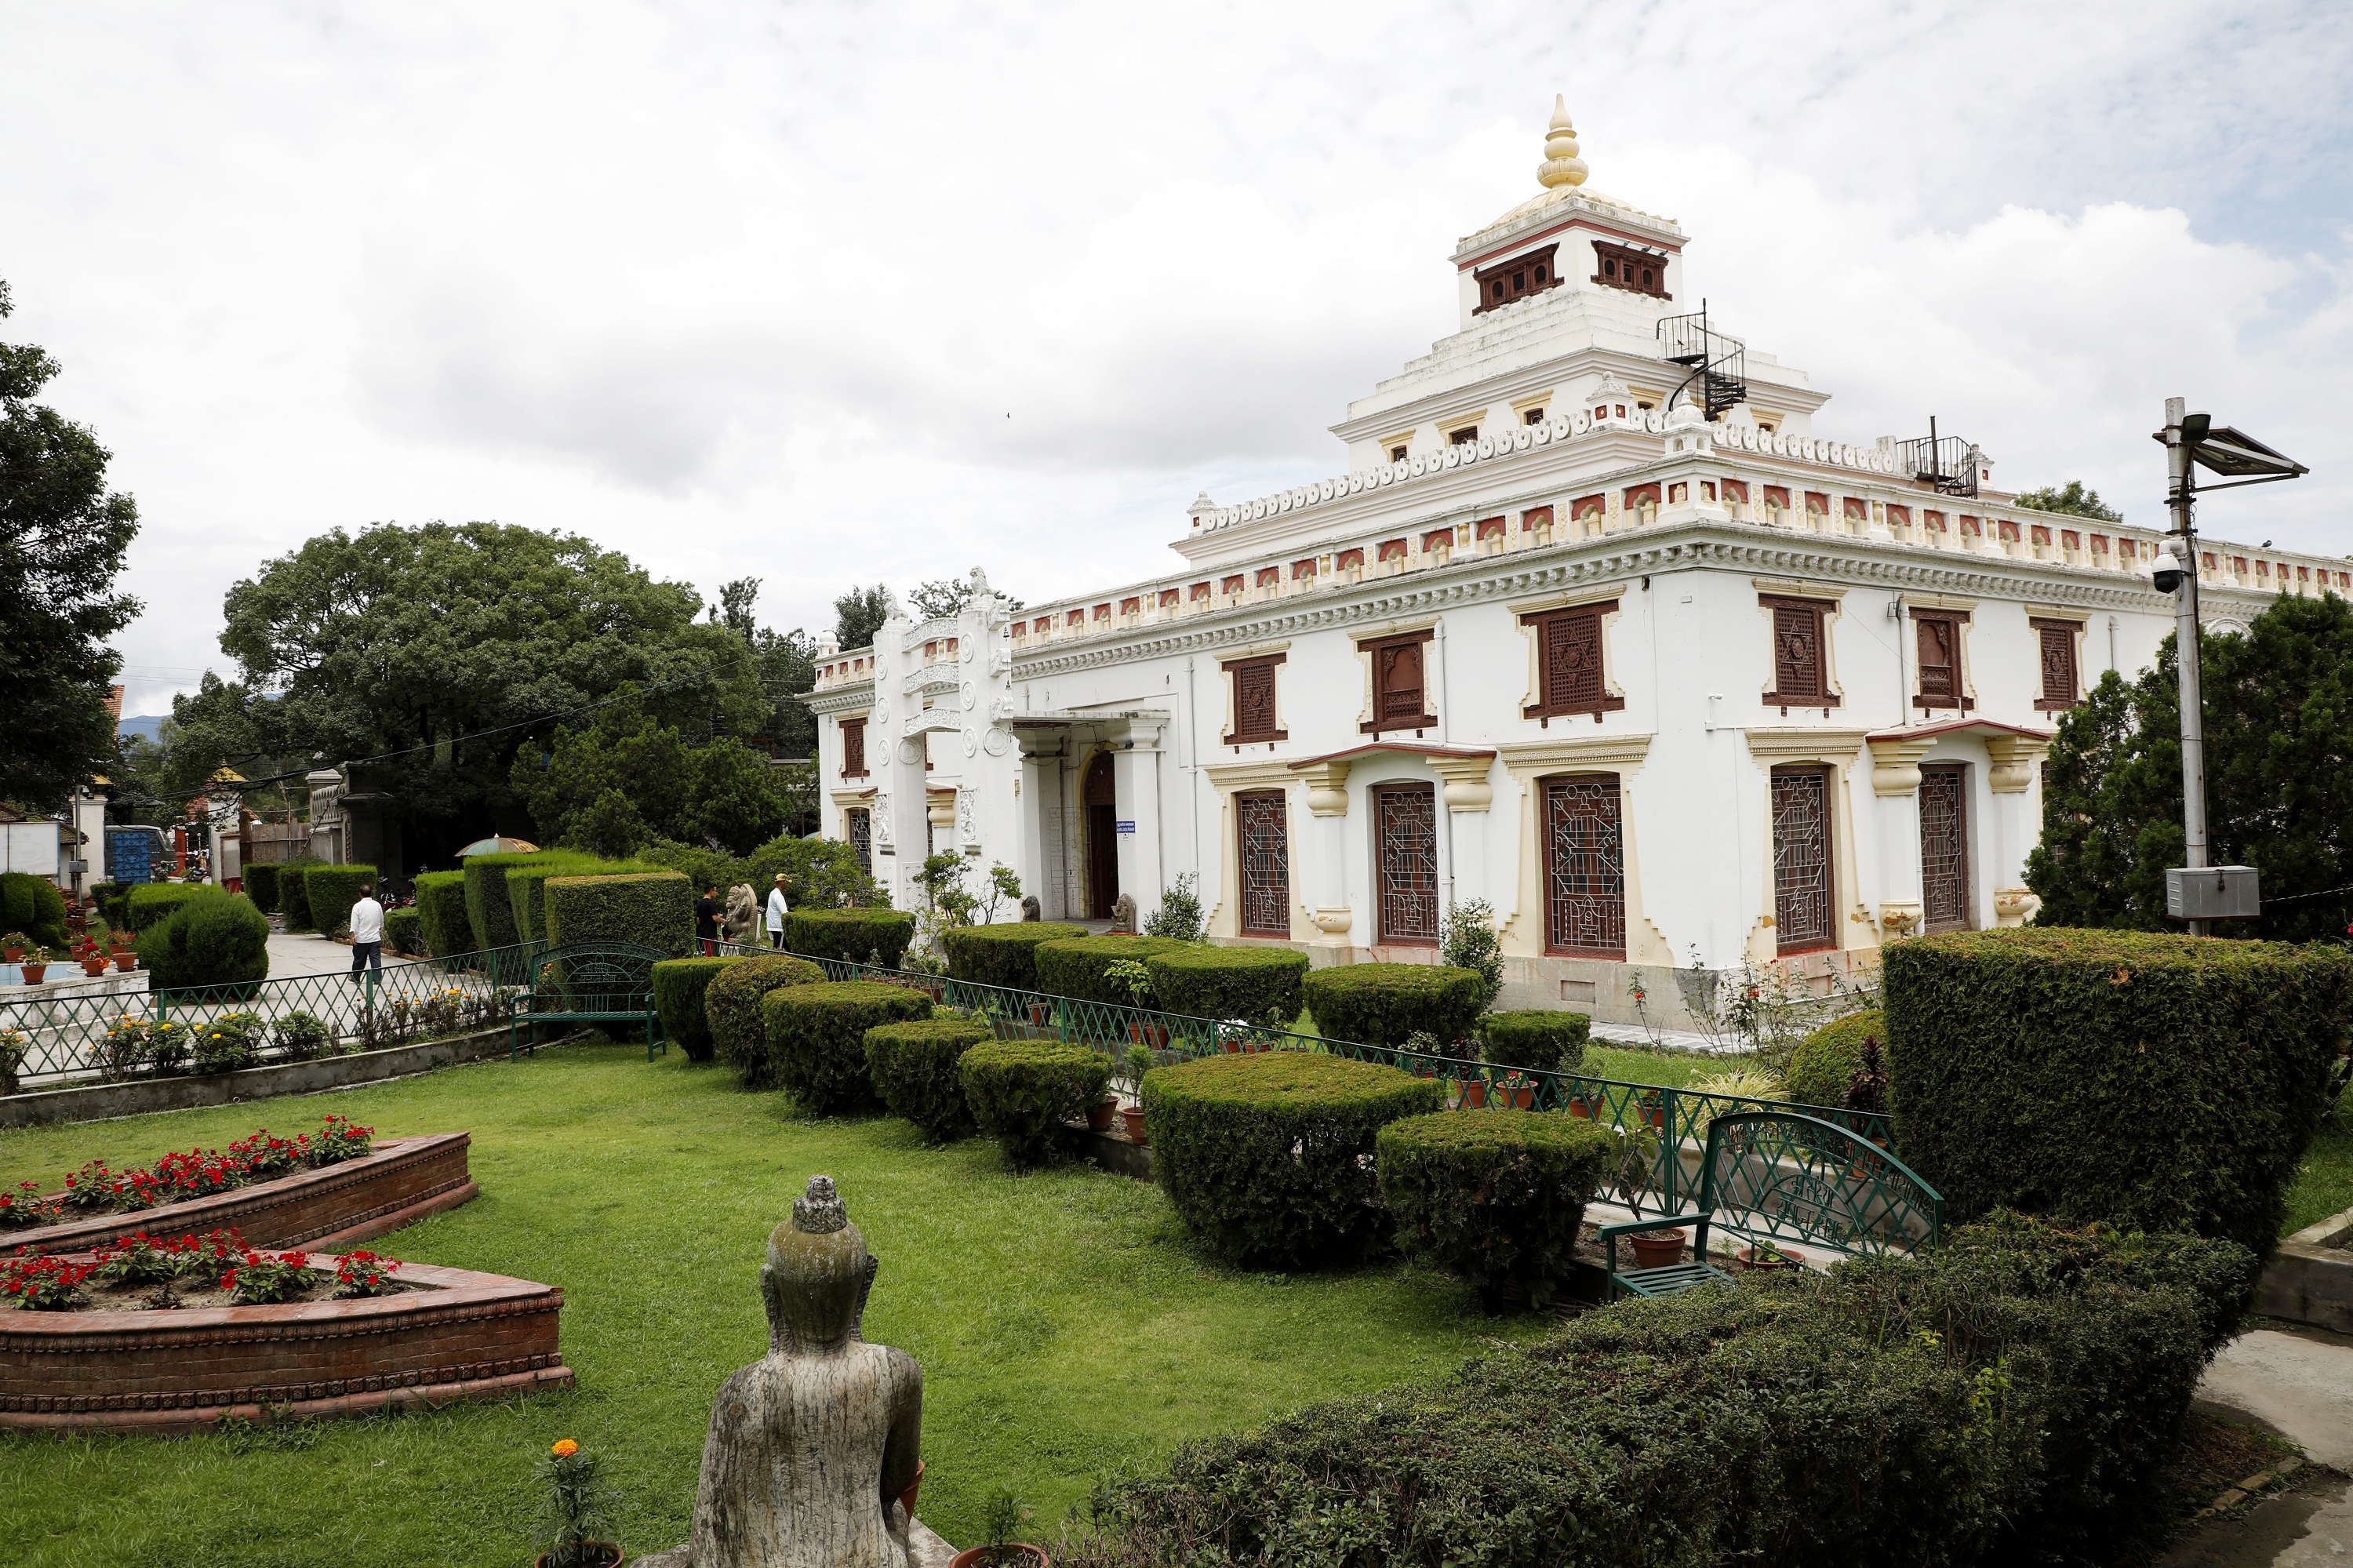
(1804, 745)
(1527, 758)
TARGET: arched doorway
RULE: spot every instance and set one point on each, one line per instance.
(1101, 800)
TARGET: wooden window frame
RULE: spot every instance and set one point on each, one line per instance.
(1822, 609)
(2043, 627)
(1554, 945)
(853, 737)
(1961, 702)
(1624, 256)
(1242, 927)
(1375, 796)
(1233, 669)
(1515, 277)
(1542, 624)
(1828, 776)
(1371, 649)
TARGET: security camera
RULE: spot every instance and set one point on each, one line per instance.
(2166, 574)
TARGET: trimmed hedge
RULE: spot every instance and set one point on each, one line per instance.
(731, 1008)
(404, 932)
(653, 909)
(1538, 1039)
(1824, 1066)
(1078, 968)
(441, 910)
(1387, 1004)
(113, 902)
(293, 892)
(816, 1037)
(860, 936)
(261, 884)
(2013, 1396)
(330, 891)
(914, 1069)
(1022, 1091)
(152, 903)
(488, 912)
(1003, 954)
(33, 905)
(1257, 985)
(1494, 1198)
(527, 882)
(214, 937)
(680, 985)
(2156, 1081)
(1263, 1155)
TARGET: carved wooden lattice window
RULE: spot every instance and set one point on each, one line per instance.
(1569, 675)
(1404, 830)
(1254, 717)
(1263, 826)
(2060, 690)
(1530, 272)
(1945, 847)
(1585, 867)
(862, 837)
(1804, 912)
(1801, 661)
(1621, 268)
(1938, 637)
(1400, 692)
(853, 748)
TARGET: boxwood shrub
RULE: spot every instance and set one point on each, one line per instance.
(212, 938)
(914, 1068)
(857, 934)
(441, 911)
(1021, 1092)
(1263, 1156)
(151, 904)
(1385, 1004)
(488, 912)
(652, 909)
(527, 882)
(1258, 985)
(1540, 1039)
(293, 892)
(2011, 1397)
(816, 1037)
(1824, 1066)
(404, 932)
(260, 881)
(1003, 954)
(678, 988)
(330, 891)
(2160, 1082)
(33, 905)
(731, 1009)
(1494, 1198)
(1078, 968)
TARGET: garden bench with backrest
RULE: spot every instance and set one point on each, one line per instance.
(593, 982)
(1780, 1177)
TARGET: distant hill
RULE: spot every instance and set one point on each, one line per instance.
(147, 727)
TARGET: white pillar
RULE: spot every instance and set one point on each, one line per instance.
(1895, 805)
(1135, 766)
(2015, 758)
(1327, 870)
(1468, 795)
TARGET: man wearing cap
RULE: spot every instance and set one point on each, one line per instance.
(776, 913)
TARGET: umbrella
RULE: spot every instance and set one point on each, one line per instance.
(497, 846)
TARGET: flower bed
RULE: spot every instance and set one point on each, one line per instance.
(344, 1198)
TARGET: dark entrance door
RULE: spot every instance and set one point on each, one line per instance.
(1803, 912)
(1945, 846)
(1103, 837)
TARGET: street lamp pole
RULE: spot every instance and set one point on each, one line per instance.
(2179, 493)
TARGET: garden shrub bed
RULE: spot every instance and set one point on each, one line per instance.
(816, 1037)
(1022, 1091)
(1388, 1004)
(1264, 1155)
(857, 935)
(441, 912)
(2013, 1396)
(731, 1008)
(152, 903)
(212, 938)
(1257, 985)
(2160, 1082)
(915, 1070)
(1494, 1197)
(680, 986)
(1004, 954)
(404, 932)
(488, 914)
(1822, 1066)
(1080, 967)
(650, 909)
(453, 1333)
(260, 883)
(33, 905)
(1535, 1040)
(330, 891)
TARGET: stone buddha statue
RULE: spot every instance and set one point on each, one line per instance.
(811, 1445)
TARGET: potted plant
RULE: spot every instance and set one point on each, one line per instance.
(1765, 1255)
(126, 958)
(93, 962)
(35, 962)
(577, 1514)
(1138, 1062)
(13, 945)
(1658, 1249)
(1654, 1108)
(998, 1521)
(1042, 1013)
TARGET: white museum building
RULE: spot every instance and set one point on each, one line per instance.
(1599, 625)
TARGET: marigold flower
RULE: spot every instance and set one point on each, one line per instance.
(565, 1449)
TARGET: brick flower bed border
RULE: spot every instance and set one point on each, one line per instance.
(398, 1183)
(475, 1336)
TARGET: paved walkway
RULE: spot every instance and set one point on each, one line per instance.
(314, 955)
(2298, 1383)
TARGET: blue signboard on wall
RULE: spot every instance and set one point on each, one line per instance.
(136, 854)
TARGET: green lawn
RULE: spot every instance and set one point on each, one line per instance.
(1065, 1326)
(2323, 1183)
(1633, 1065)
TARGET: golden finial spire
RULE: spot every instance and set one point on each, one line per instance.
(1561, 167)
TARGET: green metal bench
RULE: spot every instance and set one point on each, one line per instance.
(592, 982)
(1781, 1178)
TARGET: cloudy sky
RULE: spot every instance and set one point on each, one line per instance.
(827, 293)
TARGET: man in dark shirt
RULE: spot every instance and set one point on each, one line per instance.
(706, 920)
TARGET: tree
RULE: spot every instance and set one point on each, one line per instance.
(859, 615)
(939, 598)
(2074, 499)
(786, 661)
(2279, 726)
(623, 780)
(62, 538)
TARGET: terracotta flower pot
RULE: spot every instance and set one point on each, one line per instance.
(1042, 1013)
(1150, 1034)
(1133, 1115)
(1474, 1094)
(1748, 1259)
(1659, 1249)
(1656, 1116)
(1015, 1551)
(907, 1497)
(126, 962)
(12, 955)
(545, 1561)
(1520, 1098)
(1100, 1114)
(36, 973)
(1581, 1109)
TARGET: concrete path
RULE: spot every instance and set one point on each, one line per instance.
(2298, 1383)
(314, 955)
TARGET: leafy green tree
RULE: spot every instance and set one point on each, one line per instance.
(623, 780)
(739, 800)
(787, 662)
(2074, 499)
(859, 615)
(62, 538)
(2279, 726)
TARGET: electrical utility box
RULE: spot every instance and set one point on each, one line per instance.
(2213, 893)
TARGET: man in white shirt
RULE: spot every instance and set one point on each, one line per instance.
(776, 913)
(367, 932)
